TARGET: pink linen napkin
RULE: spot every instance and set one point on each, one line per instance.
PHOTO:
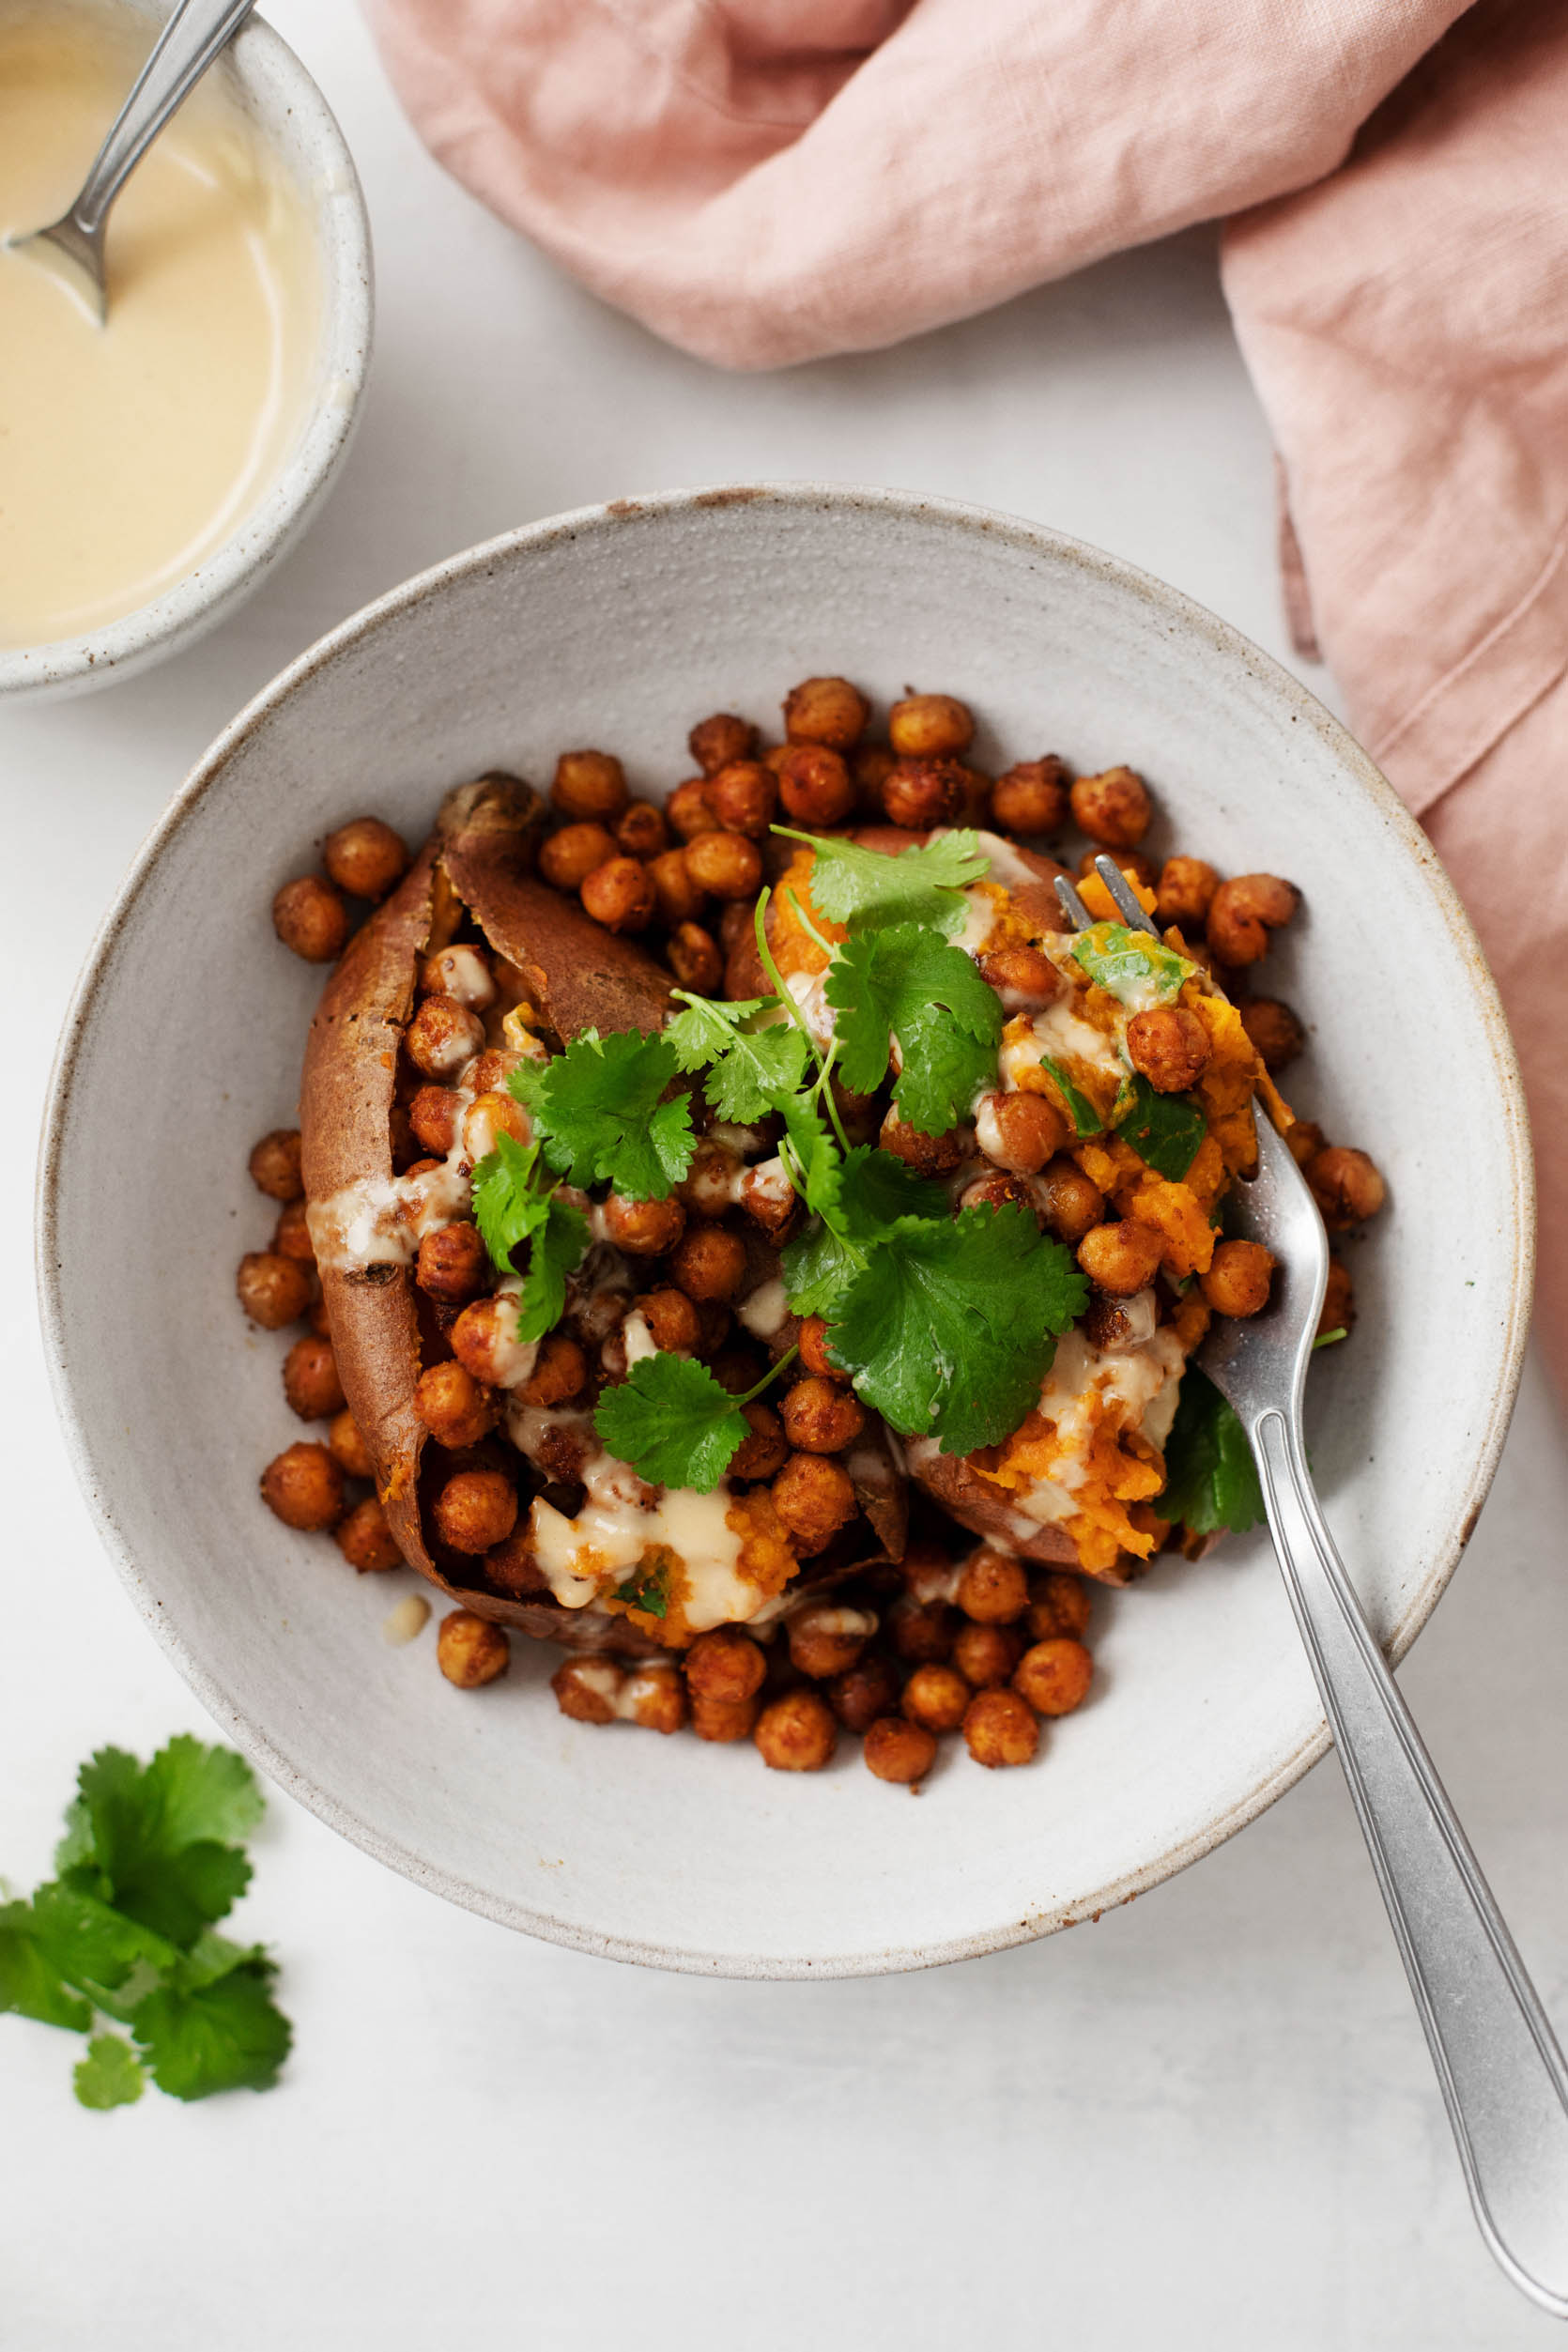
(768, 180)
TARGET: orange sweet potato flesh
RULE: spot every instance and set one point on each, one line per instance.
(986, 1511)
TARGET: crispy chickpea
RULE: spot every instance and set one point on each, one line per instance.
(1071, 1202)
(462, 972)
(812, 1341)
(433, 1118)
(1185, 892)
(725, 1664)
(568, 857)
(485, 1342)
(454, 1264)
(822, 1416)
(346, 1445)
(814, 1497)
(512, 1567)
(303, 1487)
(620, 894)
(443, 1036)
(899, 1750)
(1339, 1299)
(642, 830)
(936, 1697)
(797, 1732)
(1020, 1131)
(743, 796)
(992, 1588)
(923, 1631)
(1113, 807)
(275, 1165)
(310, 917)
(644, 1228)
(559, 1372)
(672, 1320)
(1274, 1029)
(724, 1720)
(291, 1237)
(870, 765)
(987, 1654)
(930, 726)
(1239, 1277)
(726, 863)
(471, 1650)
(925, 793)
(1023, 978)
(1346, 1186)
(475, 1510)
(586, 1689)
(676, 897)
(867, 1691)
(718, 742)
(825, 711)
(825, 1640)
(1054, 1676)
(1244, 911)
(366, 1540)
(1171, 1047)
(1304, 1139)
(764, 1453)
(311, 1383)
(273, 1290)
(1032, 797)
(589, 784)
(999, 1728)
(689, 809)
(693, 956)
(654, 1697)
(709, 1263)
(489, 1115)
(365, 857)
(1143, 870)
(1058, 1604)
(928, 1155)
(1120, 1258)
(455, 1409)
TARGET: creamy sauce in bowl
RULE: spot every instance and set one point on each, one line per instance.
(129, 451)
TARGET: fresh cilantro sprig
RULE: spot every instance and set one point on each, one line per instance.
(863, 889)
(750, 1068)
(1134, 967)
(905, 984)
(514, 1202)
(671, 1421)
(125, 1930)
(1211, 1480)
(1164, 1131)
(598, 1110)
(857, 1201)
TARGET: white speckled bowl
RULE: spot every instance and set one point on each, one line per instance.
(266, 79)
(619, 627)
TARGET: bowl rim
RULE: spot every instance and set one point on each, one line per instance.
(616, 516)
(278, 93)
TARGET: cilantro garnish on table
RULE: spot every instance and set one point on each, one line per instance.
(125, 1932)
(1211, 1480)
(598, 1110)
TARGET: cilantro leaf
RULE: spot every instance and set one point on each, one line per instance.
(752, 1067)
(96, 1947)
(952, 1325)
(858, 1199)
(110, 2075)
(647, 1591)
(674, 1425)
(559, 1248)
(224, 2035)
(598, 1110)
(128, 1839)
(1164, 1129)
(861, 888)
(511, 1198)
(1211, 1478)
(906, 983)
(1085, 1118)
(1134, 967)
(1327, 1339)
(30, 1982)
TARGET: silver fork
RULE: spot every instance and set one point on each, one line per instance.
(1499, 2065)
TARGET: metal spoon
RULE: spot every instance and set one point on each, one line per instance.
(192, 37)
(1500, 2069)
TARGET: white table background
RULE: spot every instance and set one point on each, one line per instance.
(1209, 2120)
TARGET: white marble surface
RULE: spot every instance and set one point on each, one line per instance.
(1208, 2121)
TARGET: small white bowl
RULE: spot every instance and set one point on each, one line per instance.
(266, 79)
(619, 627)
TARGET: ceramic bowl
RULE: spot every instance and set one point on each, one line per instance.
(619, 627)
(270, 86)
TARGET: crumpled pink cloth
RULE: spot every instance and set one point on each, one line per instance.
(768, 180)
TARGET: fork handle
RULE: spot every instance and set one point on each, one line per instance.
(1500, 2070)
(190, 41)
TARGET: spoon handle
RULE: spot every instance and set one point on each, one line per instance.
(1499, 2065)
(187, 44)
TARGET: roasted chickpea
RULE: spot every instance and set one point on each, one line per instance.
(1185, 892)
(1020, 1131)
(1304, 1139)
(292, 1235)
(568, 857)
(814, 1497)
(672, 1320)
(923, 1631)
(1239, 1277)
(1032, 797)
(825, 711)
(1170, 1045)
(1346, 1186)
(936, 1697)
(586, 1689)
(1274, 1030)
(867, 1691)
(870, 765)
(689, 809)
(1244, 911)
(693, 956)
(726, 863)
(1058, 1604)
(1339, 1299)
(454, 1264)
(512, 1566)
(763, 1455)
(453, 1405)
(443, 1036)
(725, 1720)
(303, 1487)
(822, 1416)
(621, 894)
(485, 1342)
(992, 1588)
(1023, 978)
(825, 1640)
(365, 857)
(488, 1116)
(930, 726)
(310, 917)
(1113, 807)
(743, 796)
(275, 1165)
(718, 742)
(644, 1228)
(475, 1510)
(987, 1654)
(999, 1728)
(813, 1340)
(273, 1290)
(1120, 1258)
(925, 793)
(725, 1664)
(928, 1155)
(1070, 1202)
(462, 972)
(311, 1382)
(559, 1372)
(797, 1732)
(642, 830)
(345, 1442)
(366, 1540)
(677, 898)
(899, 1750)
(1054, 1676)
(432, 1116)
(589, 784)
(654, 1697)
(709, 1263)
(471, 1650)
(1141, 870)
